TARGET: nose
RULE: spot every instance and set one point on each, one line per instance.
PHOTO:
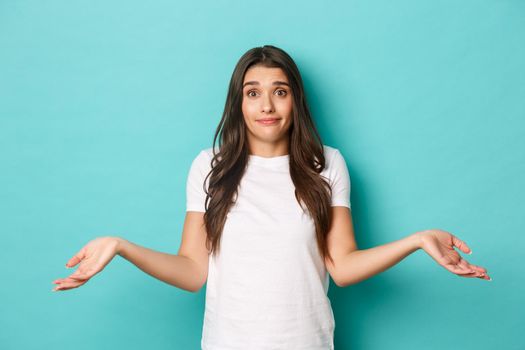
(267, 106)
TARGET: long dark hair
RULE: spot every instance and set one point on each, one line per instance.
(306, 152)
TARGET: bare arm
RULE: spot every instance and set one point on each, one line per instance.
(188, 269)
(352, 265)
(362, 264)
(177, 270)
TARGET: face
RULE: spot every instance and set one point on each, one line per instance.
(266, 105)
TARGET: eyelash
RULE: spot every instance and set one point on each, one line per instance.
(285, 92)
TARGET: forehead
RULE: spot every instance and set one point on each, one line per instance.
(265, 74)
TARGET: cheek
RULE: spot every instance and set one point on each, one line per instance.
(248, 109)
(246, 113)
(287, 107)
(244, 109)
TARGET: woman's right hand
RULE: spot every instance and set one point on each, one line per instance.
(93, 257)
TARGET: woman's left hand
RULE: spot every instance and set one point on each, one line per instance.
(440, 246)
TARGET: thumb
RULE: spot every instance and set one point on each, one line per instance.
(461, 245)
(76, 258)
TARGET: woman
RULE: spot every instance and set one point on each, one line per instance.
(268, 220)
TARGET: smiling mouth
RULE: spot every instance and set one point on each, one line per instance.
(268, 121)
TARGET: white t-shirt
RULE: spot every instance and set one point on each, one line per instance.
(267, 289)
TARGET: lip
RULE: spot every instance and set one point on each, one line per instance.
(267, 119)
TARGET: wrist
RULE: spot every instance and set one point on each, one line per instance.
(120, 244)
(415, 240)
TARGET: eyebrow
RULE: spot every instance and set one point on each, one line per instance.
(277, 82)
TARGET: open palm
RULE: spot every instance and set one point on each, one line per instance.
(440, 246)
(93, 257)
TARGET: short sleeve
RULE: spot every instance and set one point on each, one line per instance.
(339, 180)
(195, 195)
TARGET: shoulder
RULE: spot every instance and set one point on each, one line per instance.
(332, 156)
(204, 156)
(201, 162)
(209, 151)
(329, 151)
(334, 162)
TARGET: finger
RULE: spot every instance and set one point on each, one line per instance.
(64, 287)
(470, 275)
(76, 258)
(474, 271)
(68, 279)
(461, 245)
(77, 275)
(462, 267)
(69, 284)
(465, 265)
(457, 269)
(480, 275)
(478, 268)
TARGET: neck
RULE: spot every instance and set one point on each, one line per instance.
(267, 150)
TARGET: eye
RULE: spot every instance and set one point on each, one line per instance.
(284, 92)
(249, 93)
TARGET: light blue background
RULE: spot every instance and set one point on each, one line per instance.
(103, 106)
